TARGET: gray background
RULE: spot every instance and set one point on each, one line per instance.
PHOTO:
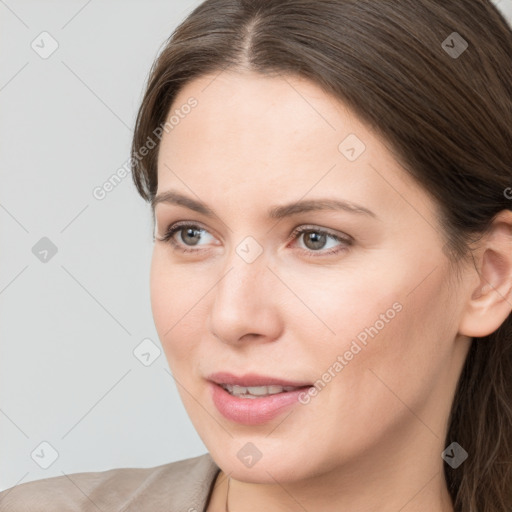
(69, 325)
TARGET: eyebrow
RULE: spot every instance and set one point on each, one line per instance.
(275, 212)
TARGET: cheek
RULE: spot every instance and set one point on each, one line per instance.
(342, 304)
(379, 319)
(159, 293)
(402, 351)
(176, 308)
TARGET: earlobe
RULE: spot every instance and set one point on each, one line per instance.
(490, 302)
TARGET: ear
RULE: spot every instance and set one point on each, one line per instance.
(490, 302)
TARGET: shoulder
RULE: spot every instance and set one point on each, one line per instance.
(181, 486)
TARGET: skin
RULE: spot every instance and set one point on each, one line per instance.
(371, 440)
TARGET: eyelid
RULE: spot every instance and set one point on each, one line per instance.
(313, 227)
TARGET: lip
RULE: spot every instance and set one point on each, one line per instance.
(253, 379)
(253, 411)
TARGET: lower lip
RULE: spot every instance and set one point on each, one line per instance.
(253, 411)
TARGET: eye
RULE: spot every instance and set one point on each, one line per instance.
(192, 234)
(316, 239)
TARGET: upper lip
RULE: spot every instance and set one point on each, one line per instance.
(252, 379)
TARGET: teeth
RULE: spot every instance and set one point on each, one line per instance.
(255, 391)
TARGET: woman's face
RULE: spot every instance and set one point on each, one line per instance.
(361, 305)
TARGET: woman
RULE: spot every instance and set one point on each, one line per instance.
(331, 280)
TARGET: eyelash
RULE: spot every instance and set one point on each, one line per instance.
(174, 228)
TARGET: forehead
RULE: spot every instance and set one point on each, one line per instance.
(270, 115)
(270, 137)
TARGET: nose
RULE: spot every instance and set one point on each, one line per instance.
(245, 305)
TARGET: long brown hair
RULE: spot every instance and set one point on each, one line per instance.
(443, 104)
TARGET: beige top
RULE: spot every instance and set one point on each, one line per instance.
(182, 486)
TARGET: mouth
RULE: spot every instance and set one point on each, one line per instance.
(253, 399)
(257, 391)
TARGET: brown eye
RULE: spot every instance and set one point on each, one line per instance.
(190, 235)
(315, 240)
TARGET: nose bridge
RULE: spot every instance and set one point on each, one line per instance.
(245, 270)
(243, 298)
